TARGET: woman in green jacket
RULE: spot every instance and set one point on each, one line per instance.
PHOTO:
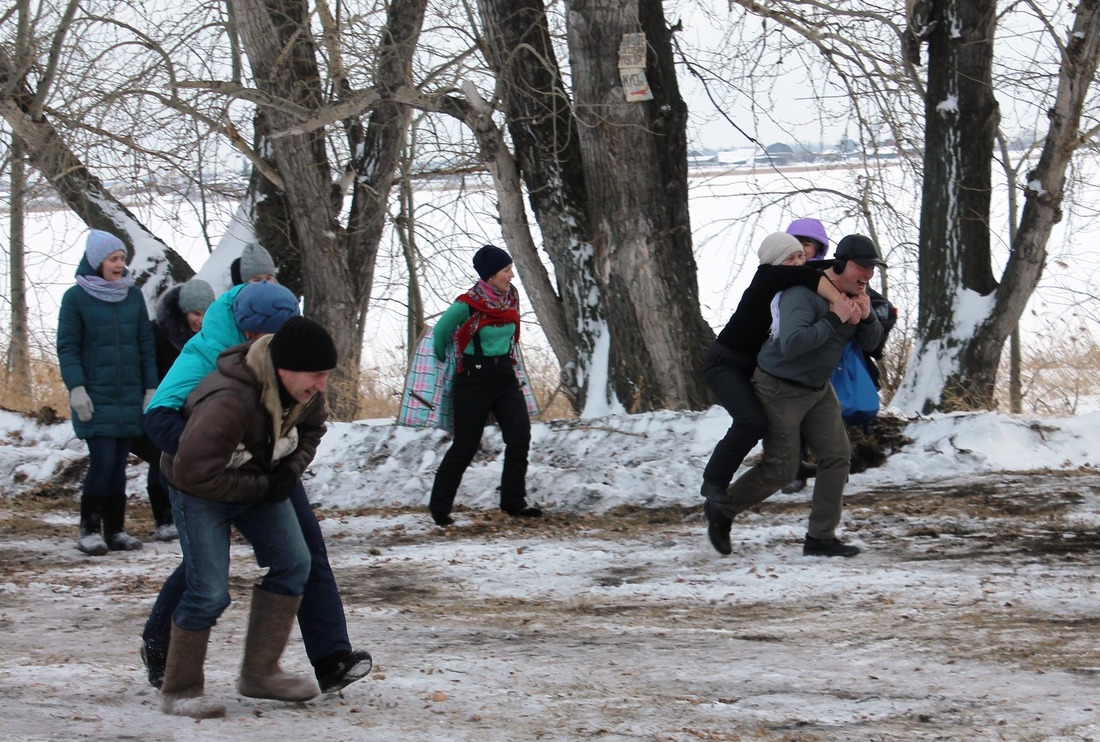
(107, 356)
(483, 324)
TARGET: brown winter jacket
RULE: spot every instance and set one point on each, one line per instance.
(238, 404)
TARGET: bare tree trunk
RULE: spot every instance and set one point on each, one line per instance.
(635, 158)
(954, 223)
(405, 225)
(1043, 195)
(961, 118)
(337, 265)
(377, 151)
(18, 362)
(544, 134)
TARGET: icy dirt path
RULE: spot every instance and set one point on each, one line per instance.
(971, 616)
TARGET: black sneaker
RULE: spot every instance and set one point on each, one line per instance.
(154, 661)
(442, 519)
(718, 527)
(795, 485)
(828, 547)
(339, 670)
(525, 512)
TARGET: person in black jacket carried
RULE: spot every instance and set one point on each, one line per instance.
(731, 361)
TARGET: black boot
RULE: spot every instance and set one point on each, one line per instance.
(828, 547)
(442, 519)
(114, 520)
(90, 541)
(718, 527)
(341, 669)
(154, 660)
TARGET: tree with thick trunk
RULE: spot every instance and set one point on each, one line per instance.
(965, 315)
(540, 122)
(337, 261)
(635, 164)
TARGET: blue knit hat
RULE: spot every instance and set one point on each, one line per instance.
(100, 244)
(264, 307)
(490, 260)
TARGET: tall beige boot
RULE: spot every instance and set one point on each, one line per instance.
(181, 691)
(269, 626)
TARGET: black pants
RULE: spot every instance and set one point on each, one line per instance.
(486, 384)
(729, 375)
(148, 452)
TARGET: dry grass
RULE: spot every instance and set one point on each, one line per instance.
(1057, 379)
(47, 391)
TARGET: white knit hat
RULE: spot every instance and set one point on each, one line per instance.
(777, 247)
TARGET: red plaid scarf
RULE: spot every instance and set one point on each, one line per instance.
(488, 308)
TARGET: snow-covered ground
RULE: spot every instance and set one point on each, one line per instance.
(971, 614)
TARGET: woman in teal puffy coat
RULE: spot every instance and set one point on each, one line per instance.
(107, 356)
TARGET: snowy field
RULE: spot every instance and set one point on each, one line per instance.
(971, 614)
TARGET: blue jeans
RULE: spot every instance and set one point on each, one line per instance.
(204, 527)
(320, 617)
(106, 475)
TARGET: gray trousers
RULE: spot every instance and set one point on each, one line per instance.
(797, 414)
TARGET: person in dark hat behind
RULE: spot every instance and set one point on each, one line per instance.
(179, 316)
(253, 426)
(483, 325)
(253, 266)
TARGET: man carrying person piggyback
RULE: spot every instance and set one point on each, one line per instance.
(792, 380)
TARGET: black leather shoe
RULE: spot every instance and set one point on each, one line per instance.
(718, 528)
(525, 512)
(337, 671)
(830, 547)
(442, 519)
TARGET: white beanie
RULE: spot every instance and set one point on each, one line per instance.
(777, 247)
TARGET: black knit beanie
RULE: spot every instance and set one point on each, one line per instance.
(490, 260)
(302, 345)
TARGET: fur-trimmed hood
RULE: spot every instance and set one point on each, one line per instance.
(171, 320)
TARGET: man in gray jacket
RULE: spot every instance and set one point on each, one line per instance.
(792, 381)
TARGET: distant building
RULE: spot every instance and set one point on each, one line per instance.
(778, 154)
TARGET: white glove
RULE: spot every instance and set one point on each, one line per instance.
(285, 445)
(81, 403)
(238, 457)
(148, 398)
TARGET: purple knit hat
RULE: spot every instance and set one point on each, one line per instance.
(813, 229)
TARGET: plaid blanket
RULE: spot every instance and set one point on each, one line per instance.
(429, 384)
